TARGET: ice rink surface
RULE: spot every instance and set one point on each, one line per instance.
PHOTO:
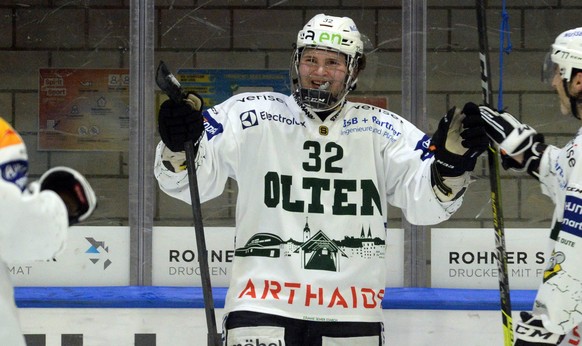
(173, 316)
(187, 327)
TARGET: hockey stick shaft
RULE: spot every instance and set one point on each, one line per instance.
(213, 336)
(494, 180)
(169, 85)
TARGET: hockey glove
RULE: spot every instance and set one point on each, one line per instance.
(521, 147)
(181, 122)
(531, 332)
(74, 190)
(457, 143)
(459, 139)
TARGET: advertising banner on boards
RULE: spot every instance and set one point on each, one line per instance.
(100, 255)
(93, 256)
(466, 258)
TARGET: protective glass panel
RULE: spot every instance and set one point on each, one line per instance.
(231, 51)
(65, 89)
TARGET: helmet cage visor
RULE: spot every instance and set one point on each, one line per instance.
(327, 92)
(548, 68)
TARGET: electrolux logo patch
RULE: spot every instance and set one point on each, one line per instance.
(98, 252)
(249, 119)
(279, 118)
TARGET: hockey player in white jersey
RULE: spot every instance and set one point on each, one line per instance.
(315, 175)
(34, 219)
(558, 305)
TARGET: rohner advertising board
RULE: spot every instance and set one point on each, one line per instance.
(466, 258)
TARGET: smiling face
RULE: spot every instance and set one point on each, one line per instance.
(323, 70)
(328, 56)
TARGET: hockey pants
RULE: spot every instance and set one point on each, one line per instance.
(246, 328)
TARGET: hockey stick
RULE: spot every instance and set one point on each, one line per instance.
(170, 85)
(494, 180)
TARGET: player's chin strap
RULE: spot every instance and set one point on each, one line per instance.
(573, 100)
(311, 113)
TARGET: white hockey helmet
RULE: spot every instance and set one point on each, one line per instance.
(13, 156)
(566, 56)
(338, 34)
(566, 53)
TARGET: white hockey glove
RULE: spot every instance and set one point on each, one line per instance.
(74, 190)
(531, 332)
(457, 143)
(515, 141)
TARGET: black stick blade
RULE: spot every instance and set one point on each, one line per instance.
(168, 83)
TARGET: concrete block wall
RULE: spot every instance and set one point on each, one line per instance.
(259, 34)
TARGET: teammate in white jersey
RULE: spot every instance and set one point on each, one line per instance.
(315, 175)
(558, 305)
(34, 219)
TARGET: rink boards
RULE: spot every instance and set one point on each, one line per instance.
(100, 256)
(148, 316)
(57, 307)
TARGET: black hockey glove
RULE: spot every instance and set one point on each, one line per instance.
(514, 139)
(459, 139)
(74, 190)
(531, 332)
(179, 123)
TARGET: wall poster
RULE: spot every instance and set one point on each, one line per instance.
(83, 109)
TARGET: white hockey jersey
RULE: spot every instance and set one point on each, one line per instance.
(33, 225)
(312, 201)
(559, 299)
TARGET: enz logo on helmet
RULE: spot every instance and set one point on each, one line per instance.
(323, 37)
(249, 119)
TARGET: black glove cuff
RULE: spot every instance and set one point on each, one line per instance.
(453, 165)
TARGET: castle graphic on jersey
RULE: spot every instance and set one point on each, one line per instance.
(317, 251)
